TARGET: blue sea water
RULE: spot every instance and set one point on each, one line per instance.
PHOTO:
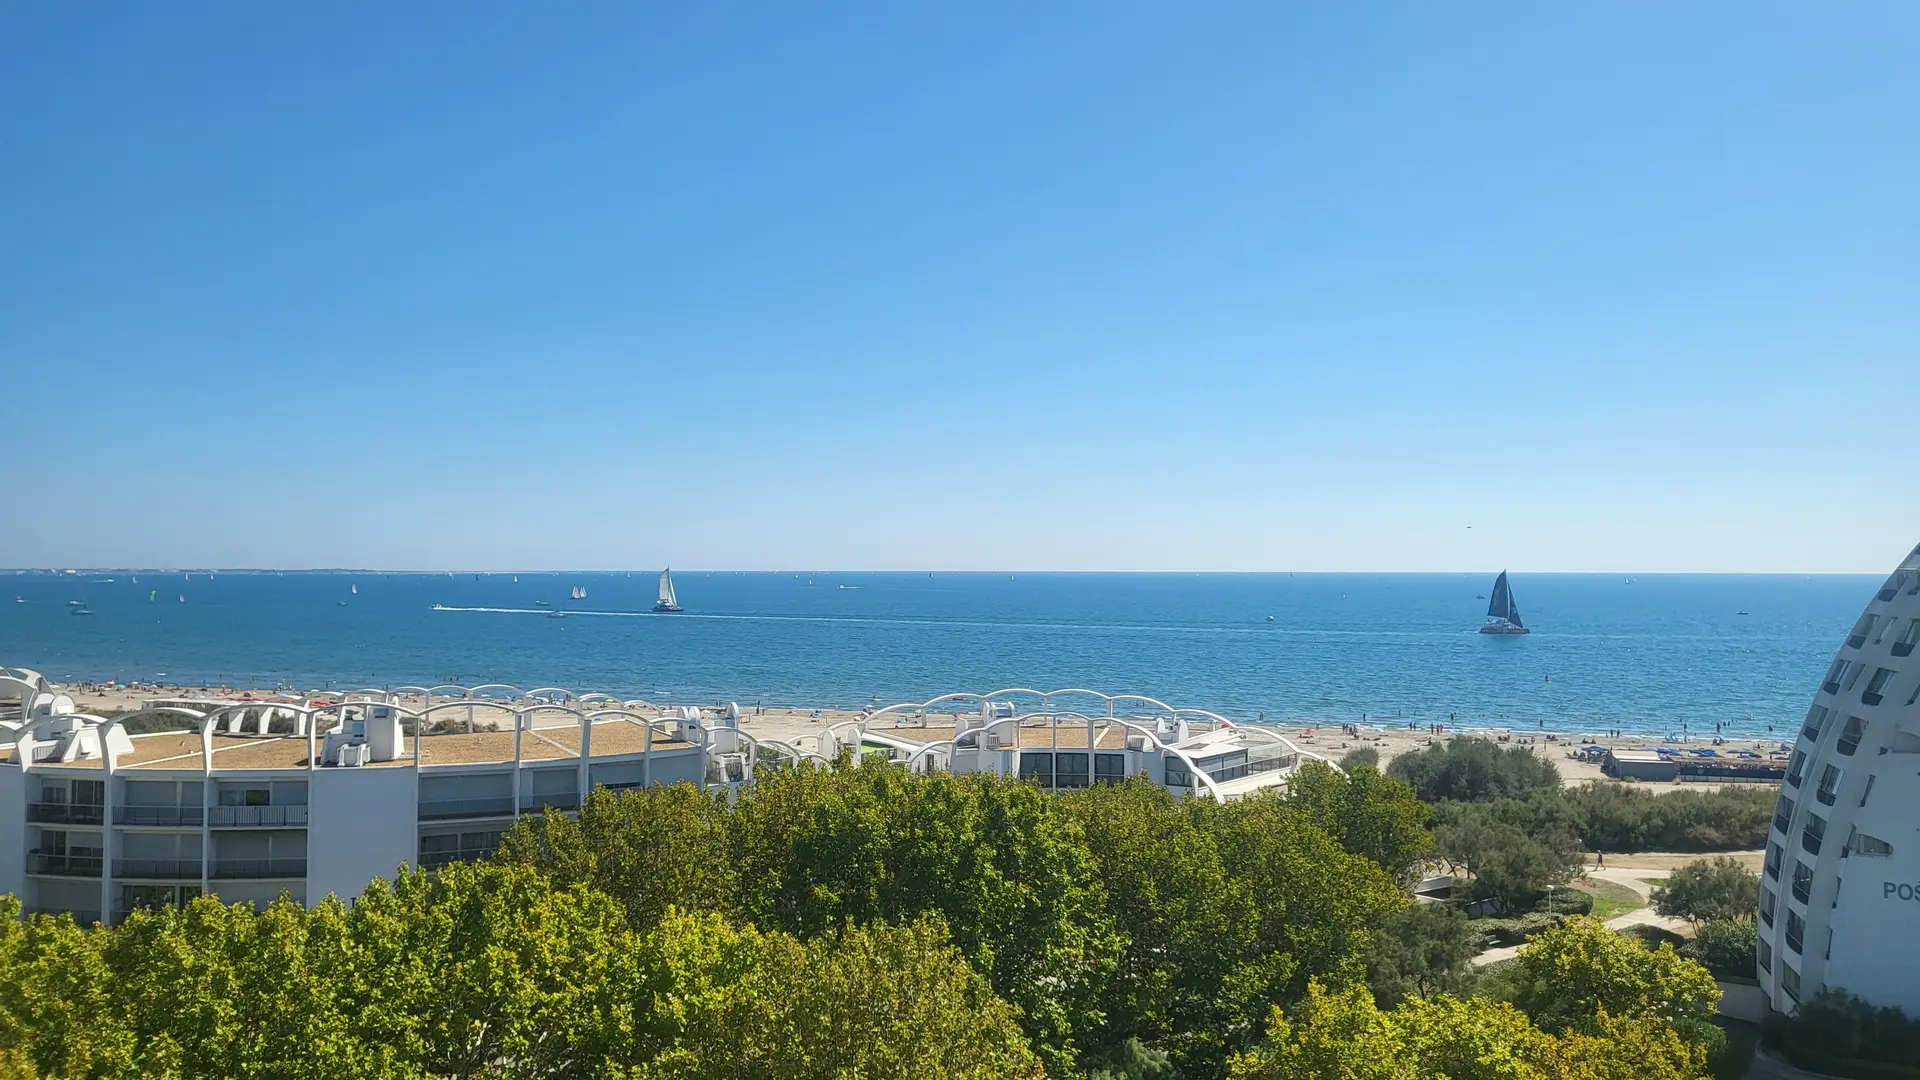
(1656, 654)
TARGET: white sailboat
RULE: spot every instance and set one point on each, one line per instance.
(579, 593)
(354, 589)
(667, 603)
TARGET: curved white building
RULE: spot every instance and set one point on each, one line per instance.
(323, 793)
(1840, 893)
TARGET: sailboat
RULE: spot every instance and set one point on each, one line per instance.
(354, 589)
(1503, 615)
(666, 604)
(579, 593)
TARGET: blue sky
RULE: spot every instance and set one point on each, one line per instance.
(1067, 286)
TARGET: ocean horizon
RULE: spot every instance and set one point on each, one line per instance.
(1652, 654)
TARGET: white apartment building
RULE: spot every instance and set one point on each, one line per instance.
(324, 793)
(1840, 892)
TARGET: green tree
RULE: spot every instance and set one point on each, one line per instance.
(1474, 770)
(1346, 1036)
(1360, 755)
(1371, 815)
(1512, 859)
(1427, 949)
(652, 849)
(1716, 888)
(1568, 976)
(1723, 946)
(999, 861)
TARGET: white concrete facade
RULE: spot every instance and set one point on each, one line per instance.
(1840, 892)
(317, 796)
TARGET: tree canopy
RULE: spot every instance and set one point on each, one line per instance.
(1717, 888)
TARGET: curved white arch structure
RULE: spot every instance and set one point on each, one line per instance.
(1840, 888)
(1184, 749)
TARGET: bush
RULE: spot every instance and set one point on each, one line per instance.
(1708, 889)
(1566, 902)
(1365, 755)
(1518, 930)
(1833, 1031)
(1615, 817)
(1474, 770)
(1724, 946)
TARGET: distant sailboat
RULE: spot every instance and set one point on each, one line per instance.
(354, 589)
(666, 604)
(1503, 615)
(151, 593)
(579, 593)
(183, 598)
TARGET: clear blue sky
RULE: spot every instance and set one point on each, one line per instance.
(1625, 286)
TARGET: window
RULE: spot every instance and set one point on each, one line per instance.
(1871, 846)
(1850, 736)
(1868, 790)
(1816, 721)
(1793, 768)
(1796, 931)
(246, 796)
(1836, 675)
(1774, 858)
(1862, 630)
(1904, 646)
(1877, 685)
(1783, 816)
(1037, 765)
(1178, 775)
(1109, 768)
(1802, 881)
(1766, 955)
(1070, 770)
(1767, 902)
(1829, 786)
(1815, 831)
(1790, 981)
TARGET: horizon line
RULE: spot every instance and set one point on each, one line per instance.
(183, 569)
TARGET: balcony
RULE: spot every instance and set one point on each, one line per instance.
(559, 800)
(1783, 823)
(491, 806)
(80, 915)
(1868, 697)
(1802, 888)
(1794, 939)
(1856, 641)
(258, 817)
(1830, 686)
(59, 813)
(64, 865)
(435, 860)
(158, 869)
(1903, 648)
(158, 816)
(230, 869)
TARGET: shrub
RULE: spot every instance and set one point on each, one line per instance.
(1365, 755)
(1474, 770)
(1724, 946)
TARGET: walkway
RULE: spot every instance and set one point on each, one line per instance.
(1632, 878)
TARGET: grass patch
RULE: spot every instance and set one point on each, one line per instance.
(1609, 900)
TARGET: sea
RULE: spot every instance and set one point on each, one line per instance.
(1659, 654)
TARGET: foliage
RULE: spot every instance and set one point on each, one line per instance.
(1568, 976)
(1724, 947)
(1572, 900)
(1425, 950)
(489, 971)
(1474, 770)
(1834, 1031)
(1512, 858)
(1345, 1035)
(1360, 755)
(651, 849)
(1611, 816)
(1369, 814)
(1516, 930)
(1717, 888)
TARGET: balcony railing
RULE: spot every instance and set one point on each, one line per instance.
(435, 860)
(59, 813)
(62, 865)
(259, 868)
(161, 816)
(1794, 940)
(1903, 648)
(80, 915)
(491, 806)
(1831, 686)
(559, 800)
(1782, 823)
(1802, 888)
(1856, 640)
(255, 817)
(158, 869)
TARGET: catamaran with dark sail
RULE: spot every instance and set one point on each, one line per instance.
(1503, 615)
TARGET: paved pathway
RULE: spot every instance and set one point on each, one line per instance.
(1635, 879)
